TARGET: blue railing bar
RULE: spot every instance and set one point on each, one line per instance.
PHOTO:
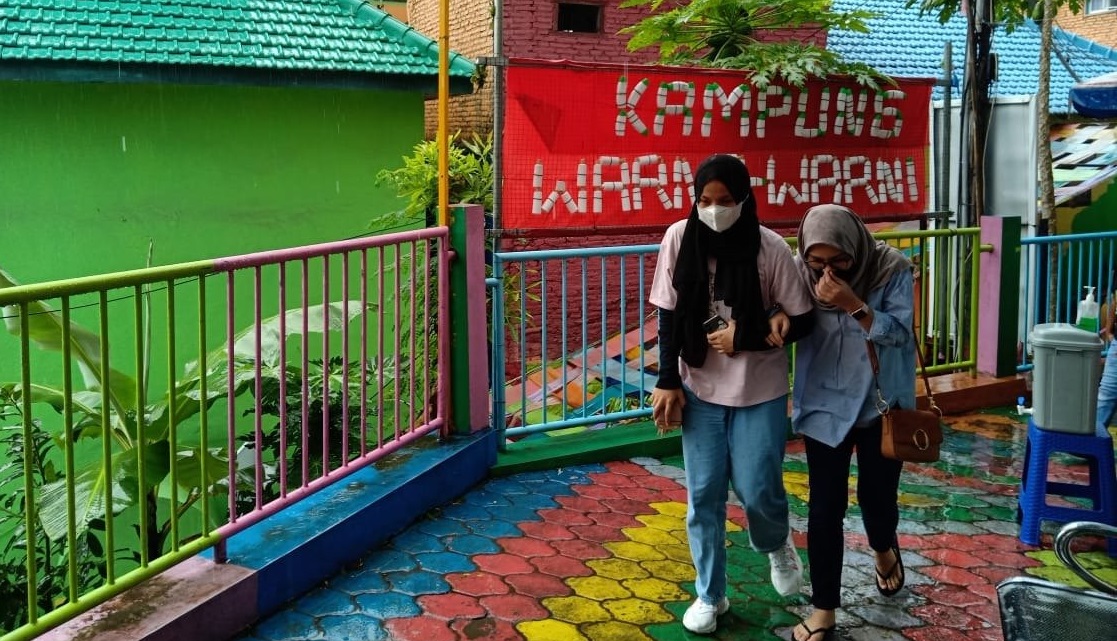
(565, 347)
(585, 328)
(1063, 238)
(498, 352)
(581, 252)
(545, 370)
(579, 422)
(492, 283)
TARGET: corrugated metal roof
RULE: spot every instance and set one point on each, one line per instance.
(297, 35)
(903, 43)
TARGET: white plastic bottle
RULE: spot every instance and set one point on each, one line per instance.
(1088, 312)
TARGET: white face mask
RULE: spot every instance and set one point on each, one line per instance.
(719, 217)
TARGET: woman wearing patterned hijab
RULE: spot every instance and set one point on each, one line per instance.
(862, 291)
(729, 299)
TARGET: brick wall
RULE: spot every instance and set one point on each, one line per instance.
(1099, 27)
(471, 35)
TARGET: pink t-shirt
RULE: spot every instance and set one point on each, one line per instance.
(748, 378)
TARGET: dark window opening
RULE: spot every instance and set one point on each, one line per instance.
(579, 18)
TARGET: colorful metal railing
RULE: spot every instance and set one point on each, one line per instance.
(112, 456)
(574, 337)
(1054, 274)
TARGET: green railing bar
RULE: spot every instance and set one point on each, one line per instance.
(945, 368)
(28, 478)
(106, 431)
(66, 612)
(172, 412)
(68, 452)
(92, 284)
(203, 411)
(140, 437)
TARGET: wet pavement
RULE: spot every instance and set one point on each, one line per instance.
(599, 553)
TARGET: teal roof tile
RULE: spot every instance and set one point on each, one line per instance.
(923, 39)
(297, 35)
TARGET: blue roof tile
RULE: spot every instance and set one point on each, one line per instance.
(924, 40)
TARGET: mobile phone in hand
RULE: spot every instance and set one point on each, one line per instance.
(714, 323)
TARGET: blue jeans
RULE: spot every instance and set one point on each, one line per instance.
(1107, 389)
(744, 445)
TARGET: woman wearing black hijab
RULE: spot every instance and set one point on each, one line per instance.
(729, 299)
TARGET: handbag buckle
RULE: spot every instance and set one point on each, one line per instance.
(921, 439)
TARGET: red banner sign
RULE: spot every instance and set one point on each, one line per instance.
(612, 146)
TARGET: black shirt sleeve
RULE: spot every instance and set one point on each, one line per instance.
(668, 352)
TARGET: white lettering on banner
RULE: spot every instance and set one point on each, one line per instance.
(823, 178)
(626, 106)
(775, 101)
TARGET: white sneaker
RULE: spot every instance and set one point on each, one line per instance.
(702, 618)
(787, 569)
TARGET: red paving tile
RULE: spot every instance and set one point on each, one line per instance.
(598, 492)
(953, 576)
(419, 629)
(538, 585)
(1008, 559)
(615, 520)
(945, 616)
(956, 558)
(451, 605)
(526, 547)
(598, 533)
(628, 468)
(547, 531)
(584, 550)
(561, 566)
(936, 633)
(565, 516)
(645, 495)
(995, 575)
(582, 504)
(486, 629)
(627, 506)
(987, 612)
(503, 564)
(479, 583)
(610, 479)
(950, 595)
(514, 607)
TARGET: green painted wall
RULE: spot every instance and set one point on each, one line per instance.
(89, 173)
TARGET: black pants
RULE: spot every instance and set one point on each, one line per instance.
(878, 480)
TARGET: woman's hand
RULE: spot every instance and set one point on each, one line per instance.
(835, 291)
(667, 409)
(722, 340)
(778, 325)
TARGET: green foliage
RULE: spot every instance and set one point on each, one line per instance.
(744, 34)
(1009, 14)
(470, 169)
(51, 558)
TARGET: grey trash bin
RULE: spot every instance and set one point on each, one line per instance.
(1065, 380)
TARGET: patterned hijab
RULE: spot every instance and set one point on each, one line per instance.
(874, 262)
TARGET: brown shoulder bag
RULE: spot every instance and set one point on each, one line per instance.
(907, 435)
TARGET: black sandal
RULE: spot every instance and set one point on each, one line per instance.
(827, 633)
(897, 565)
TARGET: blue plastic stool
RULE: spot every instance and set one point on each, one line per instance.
(1097, 449)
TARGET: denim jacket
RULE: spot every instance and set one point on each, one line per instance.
(833, 389)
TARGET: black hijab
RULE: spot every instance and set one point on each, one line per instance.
(735, 250)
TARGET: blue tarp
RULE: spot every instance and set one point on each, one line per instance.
(1096, 98)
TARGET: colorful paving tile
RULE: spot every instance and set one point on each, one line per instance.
(599, 553)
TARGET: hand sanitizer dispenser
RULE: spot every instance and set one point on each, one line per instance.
(1088, 312)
